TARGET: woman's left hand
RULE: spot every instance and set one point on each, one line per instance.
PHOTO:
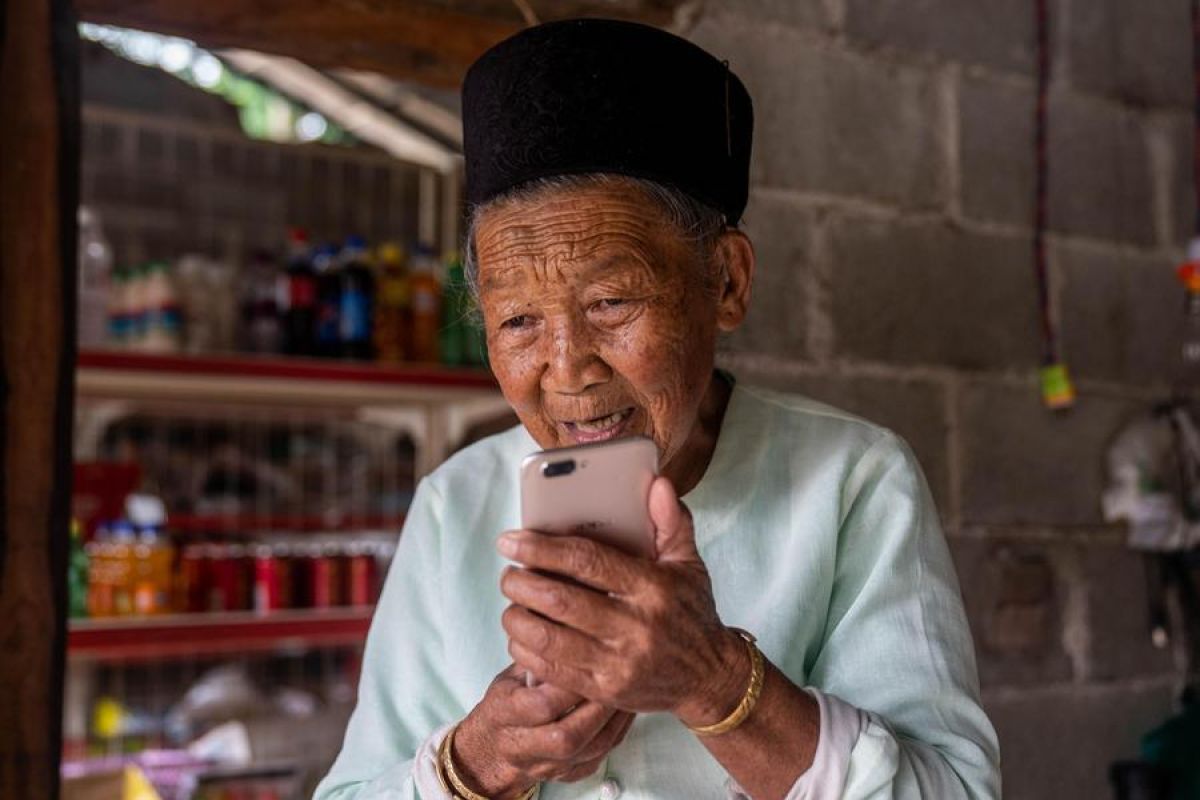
(628, 632)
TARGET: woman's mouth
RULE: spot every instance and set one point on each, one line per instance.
(598, 429)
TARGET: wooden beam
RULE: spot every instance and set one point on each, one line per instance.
(427, 41)
(39, 149)
(405, 40)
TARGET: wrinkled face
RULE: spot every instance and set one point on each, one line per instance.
(601, 319)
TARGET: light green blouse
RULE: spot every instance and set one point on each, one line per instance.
(822, 540)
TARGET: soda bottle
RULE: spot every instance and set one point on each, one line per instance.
(77, 573)
(452, 337)
(392, 305)
(426, 293)
(300, 310)
(260, 307)
(163, 323)
(118, 315)
(357, 292)
(329, 301)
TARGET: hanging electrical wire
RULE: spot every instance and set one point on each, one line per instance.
(1057, 391)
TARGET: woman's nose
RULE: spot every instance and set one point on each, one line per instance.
(573, 363)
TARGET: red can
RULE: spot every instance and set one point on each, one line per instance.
(194, 578)
(322, 577)
(363, 574)
(228, 585)
(268, 579)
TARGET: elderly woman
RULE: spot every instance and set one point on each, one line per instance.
(607, 169)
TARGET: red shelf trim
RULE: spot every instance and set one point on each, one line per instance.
(150, 638)
(290, 369)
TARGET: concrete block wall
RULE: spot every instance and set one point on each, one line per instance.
(891, 210)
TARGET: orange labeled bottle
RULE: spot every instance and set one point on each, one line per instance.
(425, 291)
(393, 305)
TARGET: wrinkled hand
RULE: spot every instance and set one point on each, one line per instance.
(520, 735)
(623, 631)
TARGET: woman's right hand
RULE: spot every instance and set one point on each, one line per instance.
(520, 735)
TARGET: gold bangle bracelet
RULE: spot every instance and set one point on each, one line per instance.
(749, 699)
(457, 789)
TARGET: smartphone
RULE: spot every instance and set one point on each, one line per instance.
(600, 491)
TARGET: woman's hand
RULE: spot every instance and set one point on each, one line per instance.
(519, 735)
(623, 631)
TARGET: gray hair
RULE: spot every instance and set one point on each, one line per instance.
(696, 222)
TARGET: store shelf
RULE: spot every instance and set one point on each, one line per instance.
(283, 523)
(436, 406)
(285, 368)
(193, 635)
(293, 380)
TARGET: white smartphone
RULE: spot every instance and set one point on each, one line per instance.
(600, 491)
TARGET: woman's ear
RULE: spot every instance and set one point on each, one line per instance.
(735, 258)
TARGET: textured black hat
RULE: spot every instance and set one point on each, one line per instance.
(598, 95)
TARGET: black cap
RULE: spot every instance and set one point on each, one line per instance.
(597, 95)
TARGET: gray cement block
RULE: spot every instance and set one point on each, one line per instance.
(916, 410)
(828, 121)
(1122, 315)
(997, 34)
(1015, 594)
(812, 14)
(1058, 744)
(1139, 53)
(782, 233)
(996, 151)
(1100, 182)
(1119, 643)
(927, 293)
(1180, 189)
(1025, 465)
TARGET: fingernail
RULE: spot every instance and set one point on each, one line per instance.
(507, 545)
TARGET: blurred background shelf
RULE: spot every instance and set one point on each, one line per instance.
(290, 523)
(128, 639)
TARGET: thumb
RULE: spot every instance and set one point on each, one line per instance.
(674, 534)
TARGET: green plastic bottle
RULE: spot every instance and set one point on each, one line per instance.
(77, 573)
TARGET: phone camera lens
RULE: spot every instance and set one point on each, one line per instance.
(557, 468)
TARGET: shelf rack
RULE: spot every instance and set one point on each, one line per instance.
(130, 639)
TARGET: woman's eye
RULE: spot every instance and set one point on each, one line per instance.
(519, 321)
(610, 302)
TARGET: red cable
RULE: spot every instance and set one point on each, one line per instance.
(1049, 337)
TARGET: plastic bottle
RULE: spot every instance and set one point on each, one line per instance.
(153, 554)
(260, 308)
(122, 559)
(118, 317)
(95, 278)
(329, 301)
(134, 306)
(392, 305)
(163, 319)
(357, 294)
(77, 573)
(426, 292)
(100, 569)
(300, 310)
(452, 336)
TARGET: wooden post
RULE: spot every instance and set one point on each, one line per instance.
(39, 155)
